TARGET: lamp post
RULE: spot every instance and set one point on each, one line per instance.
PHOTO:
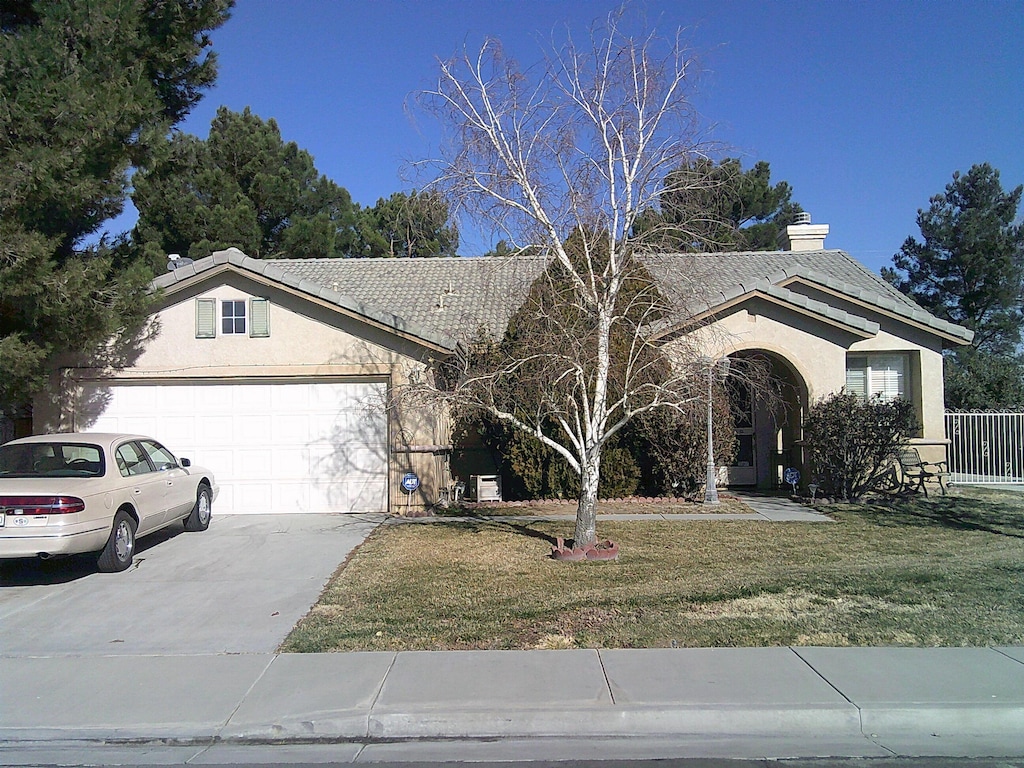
(710, 489)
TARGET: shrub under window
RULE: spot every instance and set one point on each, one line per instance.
(851, 441)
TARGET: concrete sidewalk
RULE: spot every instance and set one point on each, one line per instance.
(573, 704)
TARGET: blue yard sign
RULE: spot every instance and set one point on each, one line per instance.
(791, 476)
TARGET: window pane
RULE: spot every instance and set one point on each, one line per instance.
(232, 317)
(883, 376)
(887, 375)
(160, 456)
(857, 376)
(130, 461)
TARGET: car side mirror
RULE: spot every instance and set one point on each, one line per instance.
(186, 463)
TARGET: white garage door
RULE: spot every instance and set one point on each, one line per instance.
(273, 447)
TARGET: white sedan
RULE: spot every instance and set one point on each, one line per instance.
(91, 492)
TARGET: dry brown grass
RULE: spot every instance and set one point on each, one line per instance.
(938, 572)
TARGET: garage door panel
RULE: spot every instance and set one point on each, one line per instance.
(175, 430)
(139, 398)
(177, 399)
(222, 459)
(344, 460)
(293, 428)
(366, 460)
(295, 399)
(293, 497)
(253, 498)
(136, 425)
(213, 398)
(371, 494)
(365, 495)
(255, 463)
(273, 447)
(255, 397)
(253, 428)
(226, 499)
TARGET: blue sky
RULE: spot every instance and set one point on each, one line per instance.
(865, 108)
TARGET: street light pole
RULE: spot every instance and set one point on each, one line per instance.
(710, 488)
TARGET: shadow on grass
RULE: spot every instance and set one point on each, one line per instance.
(965, 513)
(477, 522)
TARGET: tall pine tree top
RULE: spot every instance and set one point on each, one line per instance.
(88, 89)
(968, 267)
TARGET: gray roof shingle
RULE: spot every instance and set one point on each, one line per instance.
(724, 276)
(451, 296)
(445, 300)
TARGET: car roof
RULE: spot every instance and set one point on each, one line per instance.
(100, 438)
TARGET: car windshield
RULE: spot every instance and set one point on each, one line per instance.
(51, 460)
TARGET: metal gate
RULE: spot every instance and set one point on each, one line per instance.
(986, 447)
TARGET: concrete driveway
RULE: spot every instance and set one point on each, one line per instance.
(238, 587)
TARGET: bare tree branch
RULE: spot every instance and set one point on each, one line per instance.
(567, 156)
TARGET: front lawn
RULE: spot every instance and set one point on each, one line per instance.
(944, 571)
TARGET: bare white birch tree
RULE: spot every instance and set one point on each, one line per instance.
(566, 157)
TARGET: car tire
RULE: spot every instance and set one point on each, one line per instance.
(199, 519)
(120, 548)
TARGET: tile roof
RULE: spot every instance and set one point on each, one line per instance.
(726, 276)
(444, 300)
(440, 300)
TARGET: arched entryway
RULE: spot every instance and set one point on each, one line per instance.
(769, 401)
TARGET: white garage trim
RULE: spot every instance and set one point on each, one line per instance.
(273, 445)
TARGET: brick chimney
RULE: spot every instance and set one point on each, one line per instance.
(804, 236)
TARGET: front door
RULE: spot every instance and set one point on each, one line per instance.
(744, 469)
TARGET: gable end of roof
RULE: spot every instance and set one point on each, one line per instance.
(232, 257)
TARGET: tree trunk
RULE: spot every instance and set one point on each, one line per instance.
(586, 513)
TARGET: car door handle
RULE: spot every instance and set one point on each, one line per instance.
(136, 491)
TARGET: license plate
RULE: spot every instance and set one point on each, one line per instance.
(2, 516)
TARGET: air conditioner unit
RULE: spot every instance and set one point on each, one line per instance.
(486, 487)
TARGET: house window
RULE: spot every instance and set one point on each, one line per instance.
(883, 375)
(237, 316)
(232, 317)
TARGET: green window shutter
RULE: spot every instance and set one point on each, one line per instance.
(259, 318)
(206, 318)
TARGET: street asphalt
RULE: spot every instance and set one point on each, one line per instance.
(174, 662)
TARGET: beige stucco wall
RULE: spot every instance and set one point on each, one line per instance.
(817, 352)
(307, 341)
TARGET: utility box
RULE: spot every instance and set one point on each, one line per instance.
(485, 487)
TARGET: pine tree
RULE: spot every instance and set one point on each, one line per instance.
(706, 206)
(410, 225)
(243, 186)
(88, 89)
(968, 268)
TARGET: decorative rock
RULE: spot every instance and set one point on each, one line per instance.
(601, 550)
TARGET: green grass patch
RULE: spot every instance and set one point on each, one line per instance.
(943, 571)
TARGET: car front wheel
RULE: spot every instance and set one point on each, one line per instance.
(117, 554)
(199, 520)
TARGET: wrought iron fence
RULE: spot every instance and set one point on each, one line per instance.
(986, 447)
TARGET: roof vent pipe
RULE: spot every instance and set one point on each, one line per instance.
(802, 218)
